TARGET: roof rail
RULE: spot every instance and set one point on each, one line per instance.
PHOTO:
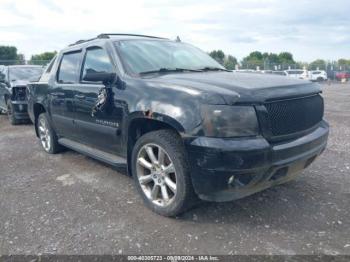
(106, 35)
(82, 41)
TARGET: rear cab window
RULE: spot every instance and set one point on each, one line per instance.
(46, 75)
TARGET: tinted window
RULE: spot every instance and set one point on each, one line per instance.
(69, 68)
(97, 61)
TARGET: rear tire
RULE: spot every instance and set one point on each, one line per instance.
(47, 135)
(163, 180)
(10, 115)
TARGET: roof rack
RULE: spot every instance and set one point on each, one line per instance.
(82, 41)
(107, 36)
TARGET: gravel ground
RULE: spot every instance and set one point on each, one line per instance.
(71, 204)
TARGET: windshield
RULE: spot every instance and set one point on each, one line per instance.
(25, 73)
(140, 56)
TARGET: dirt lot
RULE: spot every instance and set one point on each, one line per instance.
(71, 204)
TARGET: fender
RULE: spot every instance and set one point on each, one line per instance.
(149, 115)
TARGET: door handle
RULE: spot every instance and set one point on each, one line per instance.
(57, 94)
(79, 96)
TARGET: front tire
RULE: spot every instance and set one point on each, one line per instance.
(47, 135)
(162, 174)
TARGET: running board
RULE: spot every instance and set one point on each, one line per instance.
(94, 153)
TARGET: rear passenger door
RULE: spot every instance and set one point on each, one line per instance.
(63, 92)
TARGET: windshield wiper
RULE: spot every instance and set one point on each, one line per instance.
(170, 70)
(209, 68)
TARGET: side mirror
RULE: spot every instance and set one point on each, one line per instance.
(105, 78)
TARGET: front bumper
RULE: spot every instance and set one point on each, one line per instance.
(20, 110)
(228, 169)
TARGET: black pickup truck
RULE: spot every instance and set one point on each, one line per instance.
(184, 126)
(13, 84)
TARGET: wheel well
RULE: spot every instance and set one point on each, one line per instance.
(138, 128)
(37, 109)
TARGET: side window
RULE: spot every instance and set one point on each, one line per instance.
(96, 61)
(69, 66)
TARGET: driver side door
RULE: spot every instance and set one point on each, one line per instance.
(97, 130)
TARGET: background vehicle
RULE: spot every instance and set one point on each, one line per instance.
(297, 73)
(184, 126)
(246, 71)
(318, 75)
(266, 71)
(281, 73)
(342, 75)
(13, 82)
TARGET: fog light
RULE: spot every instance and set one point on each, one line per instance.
(231, 180)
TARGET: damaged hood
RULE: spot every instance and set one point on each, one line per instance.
(239, 87)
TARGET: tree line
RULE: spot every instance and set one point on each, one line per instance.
(9, 56)
(264, 61)
(272, 61)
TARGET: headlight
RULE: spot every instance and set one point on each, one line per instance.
(229, 121)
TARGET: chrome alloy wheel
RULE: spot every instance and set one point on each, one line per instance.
(156, 174)
(44, 134)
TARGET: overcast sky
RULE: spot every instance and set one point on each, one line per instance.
(309, 29)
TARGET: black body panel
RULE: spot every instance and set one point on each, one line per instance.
(287, 142)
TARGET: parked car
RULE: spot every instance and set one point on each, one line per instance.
(281, 73)
(298, 73)
(183, 126)
(245, 71)
(342, 75)
(266, 71)
(318, 75)
(13, 81)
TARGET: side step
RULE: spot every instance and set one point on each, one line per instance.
(108, 158)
